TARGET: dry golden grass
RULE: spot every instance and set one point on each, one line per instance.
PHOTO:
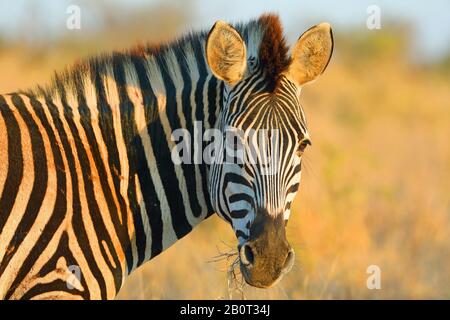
(375, 189)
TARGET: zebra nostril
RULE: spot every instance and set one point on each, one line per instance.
(289, 262)
(246, 255)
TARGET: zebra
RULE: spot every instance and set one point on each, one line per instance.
(88, 185)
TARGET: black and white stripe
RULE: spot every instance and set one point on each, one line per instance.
(238, 190)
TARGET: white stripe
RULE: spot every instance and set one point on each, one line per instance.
(57, 295)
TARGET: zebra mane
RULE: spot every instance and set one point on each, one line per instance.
(263, 37)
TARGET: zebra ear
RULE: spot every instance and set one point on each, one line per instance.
(311, 54)
(226, 53)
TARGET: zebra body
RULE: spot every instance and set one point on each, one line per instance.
(87, 182)
(82, 165)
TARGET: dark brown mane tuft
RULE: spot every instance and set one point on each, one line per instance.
(139, 50)
(273, 52)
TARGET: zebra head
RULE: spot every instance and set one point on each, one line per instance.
(263, 125)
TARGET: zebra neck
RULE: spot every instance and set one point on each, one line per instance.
(166, 199)
(125, 111)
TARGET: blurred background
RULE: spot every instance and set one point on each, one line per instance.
(376, 183)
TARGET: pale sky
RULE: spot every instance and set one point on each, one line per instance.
(430, 19)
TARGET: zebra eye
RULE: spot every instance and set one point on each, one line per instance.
(302, 147)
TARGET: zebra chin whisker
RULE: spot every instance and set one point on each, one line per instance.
(221, 256)
(235, 279)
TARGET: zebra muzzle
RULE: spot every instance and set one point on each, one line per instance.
(267, 255)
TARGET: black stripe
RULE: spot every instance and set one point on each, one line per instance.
(241, 234)
(293, 188)
(235, 178)
(54, 286)
(288, 206)
(212, 98)
(241, 197)
(15, 164)
(200, 116)
(188, 169)
(239, 214)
